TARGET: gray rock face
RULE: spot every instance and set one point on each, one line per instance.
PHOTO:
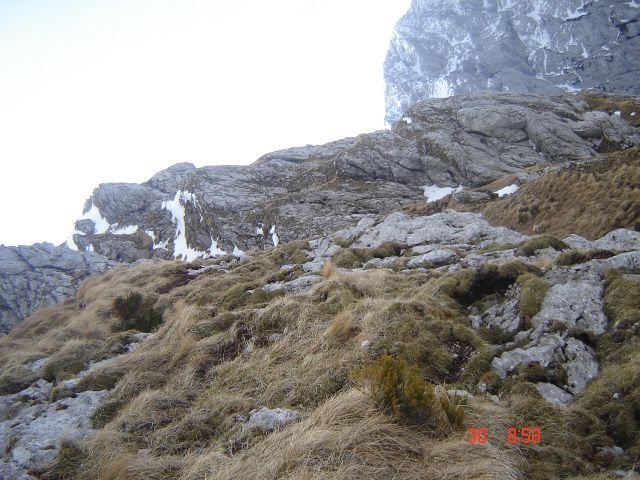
(308, 192)
(553, 394)
(505, 316)
(298, 285)
(41, 275)
(575, 303)
(441, 48)
(620, 239)
(30, 437)
(446, 228)
(435, 258)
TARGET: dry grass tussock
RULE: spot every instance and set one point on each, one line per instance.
(224, 349)
(589, 200)
(347, 437)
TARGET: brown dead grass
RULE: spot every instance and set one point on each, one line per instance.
(588, 200)
(626, 105)
(171, 411)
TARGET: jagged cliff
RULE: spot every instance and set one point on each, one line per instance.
(187, 212)
(41, 275)
(441, 48)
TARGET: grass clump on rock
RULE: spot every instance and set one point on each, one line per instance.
(622, 299)
(533, 289)
(355, 257)
(530, 247)
(573, 257)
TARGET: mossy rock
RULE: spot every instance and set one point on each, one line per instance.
(63, 366)
(622, 299)
(388, 249)
(16, 379)
(105, 412)
(573, 257)
(530, 247)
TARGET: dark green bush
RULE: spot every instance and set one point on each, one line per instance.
(388, 249)
(134, 312)
(399, 389)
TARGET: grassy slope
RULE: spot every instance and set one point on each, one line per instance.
(589, 199)
(175, 396)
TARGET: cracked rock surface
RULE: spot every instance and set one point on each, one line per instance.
(41, 275)
(441, 48)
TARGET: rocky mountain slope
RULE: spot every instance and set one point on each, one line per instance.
(41, 275)
(184, 212)
(252, 367)
(441, 48)
(187, 212)
(292, 341)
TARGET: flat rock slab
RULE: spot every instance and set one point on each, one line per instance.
(267, 420)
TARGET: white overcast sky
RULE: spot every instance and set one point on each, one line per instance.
(95, 91)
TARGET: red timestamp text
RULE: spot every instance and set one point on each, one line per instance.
(523, 435)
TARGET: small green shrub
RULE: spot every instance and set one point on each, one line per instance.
(454, 413)
(398, 389)
(243, 294)
(134, 312)
(532, 372)
(342, 242)
(351, 257)
(530, 247)
(533, 290)
(105, 412)
(467, 286)
(100, 380)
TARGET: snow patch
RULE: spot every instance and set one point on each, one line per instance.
(441, 89)
(157, 246)
(181, 249)
(214, 250)
(100, 224)
(507, 190)
(407, 120)
(274, 236)
(584, 53)
(617, 113)
(128, 230)
(434, 192)
(90, 248)
(260, 229)
(633, 4)
(237, 252)
(164, 245)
